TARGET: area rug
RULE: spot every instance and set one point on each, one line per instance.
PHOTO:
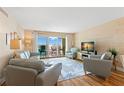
(70, 68)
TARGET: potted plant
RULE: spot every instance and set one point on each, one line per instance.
(113, 52)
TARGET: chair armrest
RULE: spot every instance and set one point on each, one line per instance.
(50, 76)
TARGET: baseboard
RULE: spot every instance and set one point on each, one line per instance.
(120, 69)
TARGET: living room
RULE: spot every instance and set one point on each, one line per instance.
(51, 37)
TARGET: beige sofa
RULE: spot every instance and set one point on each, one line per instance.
(31, 72)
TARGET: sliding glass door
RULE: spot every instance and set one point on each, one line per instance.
(42, 40)
(53, 46)
(42, 45)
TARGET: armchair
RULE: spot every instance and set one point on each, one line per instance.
(98, 66)
(72, 53)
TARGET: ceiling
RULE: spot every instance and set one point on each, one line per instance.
(60, 19)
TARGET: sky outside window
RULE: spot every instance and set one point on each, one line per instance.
(42, 40)
(52, 40)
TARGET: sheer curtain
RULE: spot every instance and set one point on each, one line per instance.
(69, 41)
(35, 39)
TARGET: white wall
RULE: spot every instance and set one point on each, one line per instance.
(107, 35)
(7, 25)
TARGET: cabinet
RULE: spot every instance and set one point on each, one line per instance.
(81, 55)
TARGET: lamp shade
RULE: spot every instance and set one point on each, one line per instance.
(14, 44)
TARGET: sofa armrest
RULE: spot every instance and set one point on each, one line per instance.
(16, 75)
(50, 76)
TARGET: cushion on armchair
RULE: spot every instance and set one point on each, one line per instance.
(106, 56)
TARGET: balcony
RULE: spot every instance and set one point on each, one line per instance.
(51, 46)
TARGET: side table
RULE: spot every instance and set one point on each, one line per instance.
(2, 81)
(114, 64)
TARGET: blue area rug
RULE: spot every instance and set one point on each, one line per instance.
(70, 68)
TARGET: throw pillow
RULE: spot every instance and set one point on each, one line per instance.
(102, 57)
(18, 54)
(27, 54)
(106, 56)
(23, 56)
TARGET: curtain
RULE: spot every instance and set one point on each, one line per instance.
(69, 41)
(35, 38)
(64, 45)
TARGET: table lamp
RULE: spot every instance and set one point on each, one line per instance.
(14, 44)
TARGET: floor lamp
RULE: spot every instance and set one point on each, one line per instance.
(14, 44)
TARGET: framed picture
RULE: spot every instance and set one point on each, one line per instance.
(11, 36)
(8, 38)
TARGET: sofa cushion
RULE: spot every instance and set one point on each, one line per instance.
(23, 56)
(106, 56)
(27, 54)
(34, 58)
(35, 64)
(14, 60)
